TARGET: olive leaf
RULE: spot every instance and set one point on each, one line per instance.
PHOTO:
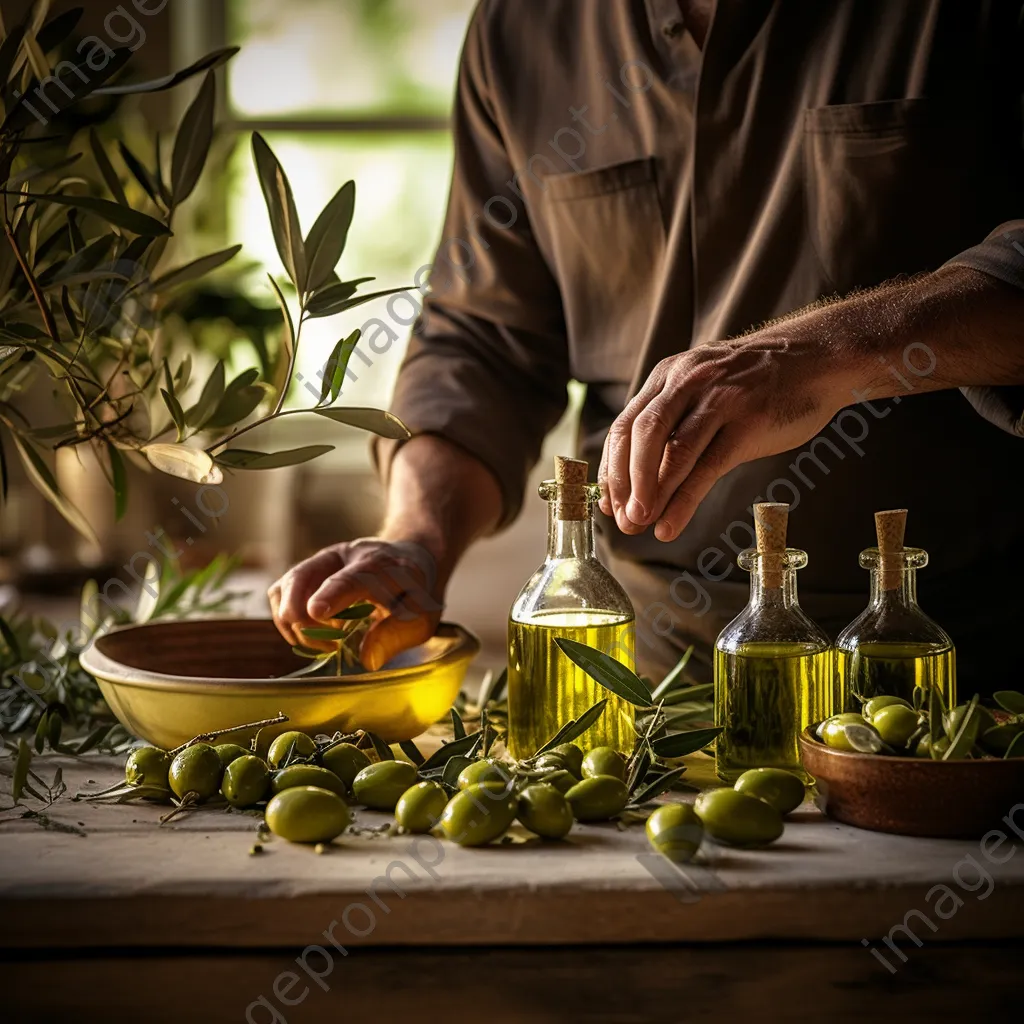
(106, 168)
(192, 143)
(336, 366)
(686, 694)
(323, 633)
(237, 404)
(674, 676)
(576, 727)
(412, 752)
(40, 474)
(453, 769)
(242, 458)
(195, 269)
(384, 752)
(209, 398)
(138, 171)
(323, 302)
(466, 745)
(458, 728)
(356, 611)
(604, 669)
(207, 63)
(682, 743)
(112, 213)
(174, 408)
(377, 421)
(320, 307)
(960, 745)
(327, 237)
(662, 784)
(56, 31)
(1010, 700)
(492, 687)
(284, 217)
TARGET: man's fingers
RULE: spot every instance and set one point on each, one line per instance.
(392, 635)
(679, 455)
(721, 455)
(618, 446)
(651, 435)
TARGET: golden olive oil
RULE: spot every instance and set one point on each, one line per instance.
(765, 695)
(546, 689)
(895, 669)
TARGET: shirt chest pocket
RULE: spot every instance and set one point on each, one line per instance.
(891, 187)
(608, 241)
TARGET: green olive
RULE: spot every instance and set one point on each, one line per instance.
(245, 781)
(148, 766)
(845, 716)
(783, 790)
(597, 799)
(561, 779)
(307, 814)
(875, 704)
(952, 720)
(228, 752)
(896, 723)
(420, 807)
(346, 760)
(738, 819)
(604, 761)
(484, 770)
(675, 830)
(833, 734)
(573, 757)
(304, 747)
(997, 740)
(544, 810)
(478, 815)
(556, 763)
(197, 769)
(305, 775)
(380, 785)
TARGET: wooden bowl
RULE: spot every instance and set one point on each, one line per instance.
(913, 796)
(170, 681)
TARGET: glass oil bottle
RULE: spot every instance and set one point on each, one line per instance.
(571, 595)
(773, 665)
(892, 647)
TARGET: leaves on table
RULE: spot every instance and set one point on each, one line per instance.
(682, 743)
(465, 745)
(576, 727)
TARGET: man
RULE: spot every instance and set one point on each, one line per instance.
(635, 182)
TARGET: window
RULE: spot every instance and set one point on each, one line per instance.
(344, 89)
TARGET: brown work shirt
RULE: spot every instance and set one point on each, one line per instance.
(620, 195)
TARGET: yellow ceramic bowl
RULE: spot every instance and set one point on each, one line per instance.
(170, 681)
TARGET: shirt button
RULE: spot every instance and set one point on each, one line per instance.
(674, 29)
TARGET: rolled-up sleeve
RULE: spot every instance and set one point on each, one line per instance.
(487, 366)
(1001, 255)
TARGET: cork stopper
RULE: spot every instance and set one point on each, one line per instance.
(890, 527)
(571, 478)
(770, 521)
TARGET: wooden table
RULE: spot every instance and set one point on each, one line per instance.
(120, 913)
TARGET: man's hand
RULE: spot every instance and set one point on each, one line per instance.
(707, 410)
(398, 577)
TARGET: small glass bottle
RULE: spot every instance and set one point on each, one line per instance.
(892, 647)
(773, 664)
(571, 595)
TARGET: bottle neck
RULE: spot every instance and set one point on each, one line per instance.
(903, 594)
(777, 591)
(570, 538)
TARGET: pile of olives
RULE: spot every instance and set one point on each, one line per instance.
(893, 726)
(307, 787)
(749, 815)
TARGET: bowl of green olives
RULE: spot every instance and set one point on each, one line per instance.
(919, 769)
(169, 681)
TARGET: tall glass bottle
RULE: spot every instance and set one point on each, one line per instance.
(571, 595)
(893, 646)
(773, 664)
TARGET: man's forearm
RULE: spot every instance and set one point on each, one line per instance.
(954, 328)
(441, 497)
